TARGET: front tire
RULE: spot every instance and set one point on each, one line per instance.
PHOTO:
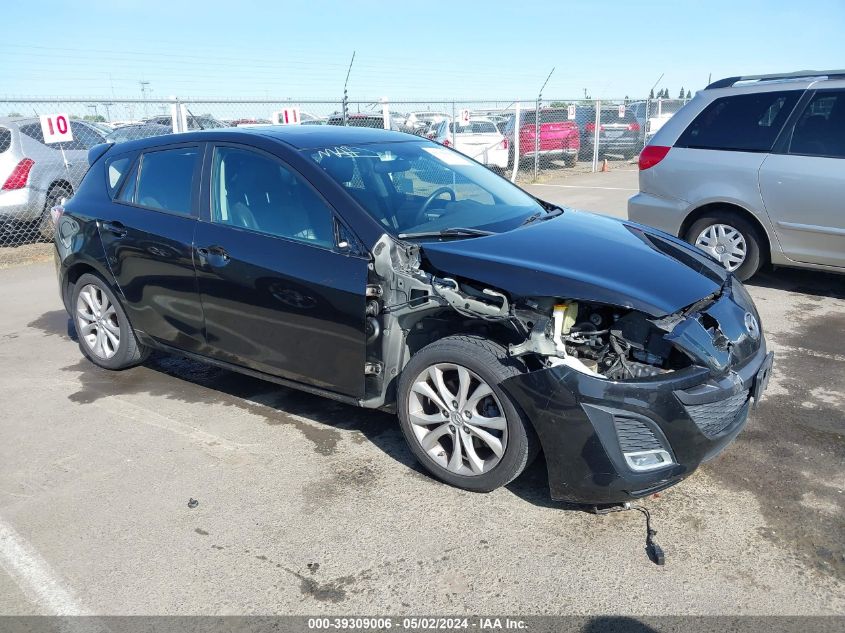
(105, 336)
(458, 421)
(731, 239)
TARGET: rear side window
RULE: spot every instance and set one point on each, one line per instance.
(83, 136)
(546, 116)
(743, 123)
(473, 127)
(164, 181)
(5, 139)
(820, 130)
(33, 131)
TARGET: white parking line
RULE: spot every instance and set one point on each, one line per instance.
(583, 187)
(34, 576)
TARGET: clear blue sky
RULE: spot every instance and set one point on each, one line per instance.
(410, 49)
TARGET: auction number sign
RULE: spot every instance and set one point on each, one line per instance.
(288, 116)
(56, 128)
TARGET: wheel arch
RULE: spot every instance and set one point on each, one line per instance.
(75, 271)
(728, 207)
(59, 182)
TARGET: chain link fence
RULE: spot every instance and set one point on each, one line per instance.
(524, 140)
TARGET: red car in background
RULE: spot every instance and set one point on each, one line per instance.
(559, 137)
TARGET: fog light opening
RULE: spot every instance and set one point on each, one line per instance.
(648, 460)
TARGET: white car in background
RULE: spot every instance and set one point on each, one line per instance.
(421, 122)
(479, 139)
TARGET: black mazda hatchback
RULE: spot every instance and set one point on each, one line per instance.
(388, 272)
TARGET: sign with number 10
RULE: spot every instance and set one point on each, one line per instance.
(56, 128)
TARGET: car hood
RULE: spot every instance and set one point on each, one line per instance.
(586, 257)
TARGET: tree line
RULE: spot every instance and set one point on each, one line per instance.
(664, 94)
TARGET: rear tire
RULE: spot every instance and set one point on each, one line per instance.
(105, 336)
(734, 234)
(571, 160)
(434, 427)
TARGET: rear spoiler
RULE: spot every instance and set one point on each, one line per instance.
(96, 152)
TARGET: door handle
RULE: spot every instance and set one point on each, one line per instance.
(116, 228)
(214, 255)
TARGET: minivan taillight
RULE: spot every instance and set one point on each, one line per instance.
(651, 155)
(20, 174)
(634, 127)
(591, 127)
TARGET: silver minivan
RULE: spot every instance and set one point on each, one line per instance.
(35, 176)
(752, 170)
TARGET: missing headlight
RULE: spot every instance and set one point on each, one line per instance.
(601, 340)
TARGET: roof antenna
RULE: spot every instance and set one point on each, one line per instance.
(652, 549)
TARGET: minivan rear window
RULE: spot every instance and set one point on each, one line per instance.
(5, 139)
(546, 116)
(743, 123)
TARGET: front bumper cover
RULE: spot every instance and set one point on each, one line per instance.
(583, 422)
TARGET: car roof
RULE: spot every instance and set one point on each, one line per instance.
(803, 78)
(17, 120)
(297, 136)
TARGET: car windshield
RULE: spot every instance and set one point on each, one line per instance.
(422, 187)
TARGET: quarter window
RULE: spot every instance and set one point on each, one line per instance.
(164, 181)
(115, 168)
(820, 130)
(253, 191)
(744, 123)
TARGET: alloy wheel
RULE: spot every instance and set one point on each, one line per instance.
(725, 243)
(457, 419)
(96, 322)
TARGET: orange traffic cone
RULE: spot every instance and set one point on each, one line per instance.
(604, 165)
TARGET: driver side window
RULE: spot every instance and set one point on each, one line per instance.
(253, 191)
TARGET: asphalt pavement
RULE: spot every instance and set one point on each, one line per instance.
(307, 506)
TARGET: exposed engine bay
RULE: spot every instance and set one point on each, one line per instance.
(409, 307)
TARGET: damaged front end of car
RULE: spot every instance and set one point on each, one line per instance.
(625, 402)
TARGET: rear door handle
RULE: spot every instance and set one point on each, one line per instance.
(116, 228)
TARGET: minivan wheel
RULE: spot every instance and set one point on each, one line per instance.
(105, 336)
(730, 239)
(57, 195)
(457, 420)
